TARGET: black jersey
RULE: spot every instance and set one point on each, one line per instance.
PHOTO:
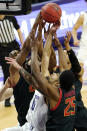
(23, 94)
(62, 117)
(79, 102)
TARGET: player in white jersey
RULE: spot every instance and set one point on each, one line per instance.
(81, 22)
(36, 116)
(37, 113)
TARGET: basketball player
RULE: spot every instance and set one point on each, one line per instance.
(81, 115)
(81, 22)
(15, 76)
(37, 113)
(22, 71)
(22, 92)
(55, 96)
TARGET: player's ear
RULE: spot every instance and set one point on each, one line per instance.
(21, 7)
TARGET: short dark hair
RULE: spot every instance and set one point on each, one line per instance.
(66, 79)
(86, 0)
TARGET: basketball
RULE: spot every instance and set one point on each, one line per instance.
(51, 12)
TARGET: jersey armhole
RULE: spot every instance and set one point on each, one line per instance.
(52, 109)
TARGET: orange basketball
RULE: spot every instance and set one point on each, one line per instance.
(51, 12)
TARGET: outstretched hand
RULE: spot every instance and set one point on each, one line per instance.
(13, 62)
(67, 38)
(34, 42)
(56, 41)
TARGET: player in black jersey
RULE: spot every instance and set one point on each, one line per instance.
(65, 95)
(22, 92)
(81, 115)
(61, 101)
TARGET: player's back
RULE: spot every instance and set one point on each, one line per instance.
(62, 117)
(22, 99)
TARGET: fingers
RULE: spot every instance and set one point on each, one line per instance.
(9, 60)
(68, 34)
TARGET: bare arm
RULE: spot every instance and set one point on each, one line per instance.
(44, 87)
(5, 91)
(62, 59)
(52, 61)
(25, 50)
(27, 76)
(20, 36)
(26, 46)
(76, 27)
(76, 67)
(46, 56)
(48, 59)
(39, 35)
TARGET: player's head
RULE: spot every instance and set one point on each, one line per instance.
(14, 53)
(66, 79)
(85, 0)
(27, 64)
(54, 79)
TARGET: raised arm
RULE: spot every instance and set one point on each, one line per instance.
(46, 55)
(75, 28)
(25, 49)
(20, 36)
(76, 68)
(62, 59)
(27, 76)
(44, 87)
(39, 35)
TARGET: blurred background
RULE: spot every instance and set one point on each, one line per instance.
(71, 9)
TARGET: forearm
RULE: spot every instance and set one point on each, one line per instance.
(5, 93)
(26, 46)
(46, 56)
(52, 61)
(24, 52)
(34, 61)
(74, 61)
(48, 44)
(3, 89)
(27, 76)
(20, 36)
(62, 59)
(74, 34)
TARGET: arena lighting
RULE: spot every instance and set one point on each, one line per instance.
(15, 7)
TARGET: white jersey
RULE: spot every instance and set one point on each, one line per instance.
(82, 52)
(37, 113)
(36, 116)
